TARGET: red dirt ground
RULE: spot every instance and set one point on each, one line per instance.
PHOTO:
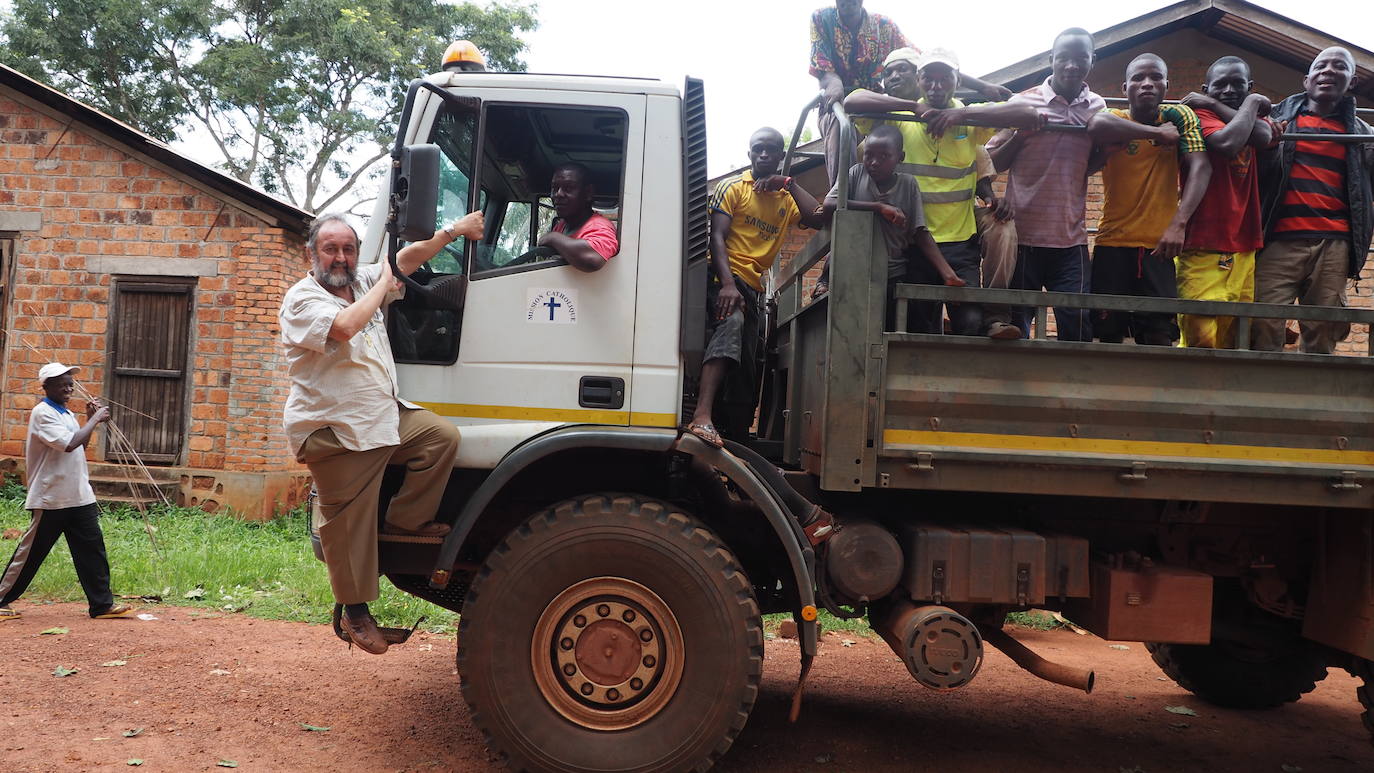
(206, 688)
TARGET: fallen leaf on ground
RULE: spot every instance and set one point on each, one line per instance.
(64, 671)
(194, 593)
(132, 733)
(1119, 646)
(227, 764)
(846, 642)
(824, 758)
(313, 728)
(1184, 710)
(134, 763)
(218, 672)
(54, 632)
(146, 616)
(110, 663)
(13, 534)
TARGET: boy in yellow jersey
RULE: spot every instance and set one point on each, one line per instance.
(750, 215)
(943, 156)
(1144, 218)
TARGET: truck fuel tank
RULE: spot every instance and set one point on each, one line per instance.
(965, 564)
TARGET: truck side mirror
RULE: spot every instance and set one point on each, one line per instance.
(415, 193)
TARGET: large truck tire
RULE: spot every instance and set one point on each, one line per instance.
(611, 633)
(1237, 677)
(1364, 669)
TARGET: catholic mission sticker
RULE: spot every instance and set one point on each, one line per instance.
(551, 307)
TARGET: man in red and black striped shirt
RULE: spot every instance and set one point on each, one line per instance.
(1317, 205)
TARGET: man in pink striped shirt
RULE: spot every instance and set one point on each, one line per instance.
(1048, 183)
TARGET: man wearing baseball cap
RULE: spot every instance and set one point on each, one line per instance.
(60, 498)
(944, 155)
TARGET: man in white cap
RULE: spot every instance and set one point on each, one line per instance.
(60, 498)
(952, 169)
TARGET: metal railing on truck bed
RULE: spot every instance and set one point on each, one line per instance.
(865, 408)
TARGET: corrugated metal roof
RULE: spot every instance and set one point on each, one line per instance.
(1284, 40)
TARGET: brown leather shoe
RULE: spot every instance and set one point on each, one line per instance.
(431, 529)
(364, 632)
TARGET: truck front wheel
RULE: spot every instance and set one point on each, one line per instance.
(610, 632)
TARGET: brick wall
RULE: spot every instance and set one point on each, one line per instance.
(100, 209)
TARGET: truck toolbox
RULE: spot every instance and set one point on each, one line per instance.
(985, 565)
(1148, 603)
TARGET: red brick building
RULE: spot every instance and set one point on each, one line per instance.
(161, 278)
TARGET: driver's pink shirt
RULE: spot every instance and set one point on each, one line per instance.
(598, 231)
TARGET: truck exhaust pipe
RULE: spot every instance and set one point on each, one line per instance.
(1077, 678)
(940, 647)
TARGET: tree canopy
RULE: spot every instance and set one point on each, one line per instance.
(298, 96)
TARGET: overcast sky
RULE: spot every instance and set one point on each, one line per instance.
(752, 54)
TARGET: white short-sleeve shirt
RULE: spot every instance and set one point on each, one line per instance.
(58, 478)
(349, 386)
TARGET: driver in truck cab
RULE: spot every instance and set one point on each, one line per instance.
(580, 235)
(344, 419)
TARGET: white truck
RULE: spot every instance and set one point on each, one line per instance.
(611, 571)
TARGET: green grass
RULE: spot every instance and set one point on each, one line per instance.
(264, 569)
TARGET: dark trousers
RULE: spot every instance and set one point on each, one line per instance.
(81, 525)
(738, 339)
(966, 319)
(1057, 269)
(1134, 271)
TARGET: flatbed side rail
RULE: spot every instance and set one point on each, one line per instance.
(1042, 300)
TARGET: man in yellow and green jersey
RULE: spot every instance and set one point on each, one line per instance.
(1144, 217)
(943, 156)
(750, 215)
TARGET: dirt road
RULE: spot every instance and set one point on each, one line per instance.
(201, 688)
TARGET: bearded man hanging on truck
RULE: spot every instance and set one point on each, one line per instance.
(1318, 205)
(750, 215)
(344, 419)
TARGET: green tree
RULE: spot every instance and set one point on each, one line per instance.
(300, 97)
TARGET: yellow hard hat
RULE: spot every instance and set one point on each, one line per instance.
(462, 55)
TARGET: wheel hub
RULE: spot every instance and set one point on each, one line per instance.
(607, 653)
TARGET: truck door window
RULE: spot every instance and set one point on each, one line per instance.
(419, 333)
(522, 146)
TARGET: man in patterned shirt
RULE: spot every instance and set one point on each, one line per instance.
(1317, 205)
(1144, 218)
(848, 48)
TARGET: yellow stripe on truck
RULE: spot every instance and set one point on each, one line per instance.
(978, 440)
(565, 415)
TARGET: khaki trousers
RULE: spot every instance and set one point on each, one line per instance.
(349, 483)
(1310, 271)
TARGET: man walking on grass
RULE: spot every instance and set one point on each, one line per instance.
(60, 498)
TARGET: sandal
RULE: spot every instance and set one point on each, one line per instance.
(706, 433)
(114, 612)
(9, 614)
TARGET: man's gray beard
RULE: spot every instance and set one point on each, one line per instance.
(331, 279)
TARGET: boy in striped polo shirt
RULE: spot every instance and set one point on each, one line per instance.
(1144, 217)
(1317, 209)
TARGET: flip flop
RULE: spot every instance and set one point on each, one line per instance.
(9, 614)
(706, 433)
(114, 612)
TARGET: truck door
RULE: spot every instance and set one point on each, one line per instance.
(539, 343)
